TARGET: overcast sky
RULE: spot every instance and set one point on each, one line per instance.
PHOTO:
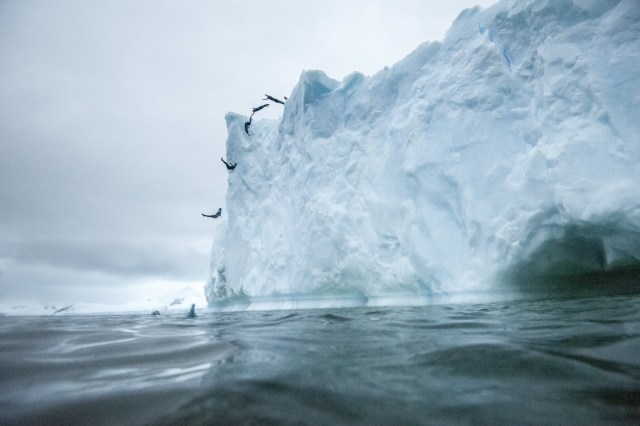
(112, 125)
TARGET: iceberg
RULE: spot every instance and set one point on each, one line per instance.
(500, 161)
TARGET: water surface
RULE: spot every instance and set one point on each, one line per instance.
(574, 361)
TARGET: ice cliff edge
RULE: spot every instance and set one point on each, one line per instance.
(505, 157)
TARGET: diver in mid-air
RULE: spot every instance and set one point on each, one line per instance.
(258, 108)
(215, 216)
(271, 98)
(248, 123)
(229, 166)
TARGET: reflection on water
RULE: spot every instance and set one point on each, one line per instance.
(530, 362)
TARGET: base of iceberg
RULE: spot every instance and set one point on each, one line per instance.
(578, 260)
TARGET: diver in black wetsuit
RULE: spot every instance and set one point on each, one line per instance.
(258, 108)
(192, 311)
(229, 166)
(216, 215)
(271, 98)
(248, 123)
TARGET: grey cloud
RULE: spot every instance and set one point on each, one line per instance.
(120, 258)
(43, 284)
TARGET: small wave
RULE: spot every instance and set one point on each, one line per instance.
(334, 318)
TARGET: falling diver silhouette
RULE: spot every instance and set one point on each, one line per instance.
(248, 123)
(215, 216)
(258, 108)
(229, 166)
(271, 98)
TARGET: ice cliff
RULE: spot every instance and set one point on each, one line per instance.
(504, 158)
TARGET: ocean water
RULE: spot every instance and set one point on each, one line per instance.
(556, 362)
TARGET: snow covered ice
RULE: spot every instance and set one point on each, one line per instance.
(504, 158)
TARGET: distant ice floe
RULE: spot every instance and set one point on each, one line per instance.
(174, 303)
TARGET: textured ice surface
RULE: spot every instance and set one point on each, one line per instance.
(505, 156)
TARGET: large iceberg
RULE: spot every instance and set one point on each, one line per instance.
(504, 159)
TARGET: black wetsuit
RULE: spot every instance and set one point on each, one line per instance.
(216, 215)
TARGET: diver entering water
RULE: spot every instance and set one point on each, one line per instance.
(192, 311)
(215, 216)
(229, 166)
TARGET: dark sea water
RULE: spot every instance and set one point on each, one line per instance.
(556, 362)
